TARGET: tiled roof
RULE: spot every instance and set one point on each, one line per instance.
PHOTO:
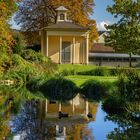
(100, 47)
(66, 26)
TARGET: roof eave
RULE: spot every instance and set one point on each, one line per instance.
(66, 29)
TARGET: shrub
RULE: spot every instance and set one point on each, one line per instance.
(99, 71)
(68, 72)
(113, 71)
(127, 95)
(4, 62)
(21, 70)
(129, 85)
(18, 47)
(39, 60)
(35, 47)
(31, 64)
(59, 89)
(34, 84)
(114, 104)
(94, 90)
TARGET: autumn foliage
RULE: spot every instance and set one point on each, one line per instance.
(7, 7)
(80, 12)
(6, 10)
(34, 15)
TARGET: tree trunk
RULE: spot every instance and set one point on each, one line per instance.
(130, 60)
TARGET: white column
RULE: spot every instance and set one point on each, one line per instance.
(46, 106)
(73, 50)
(73, 107)
(60, 50)
(60, 107)
(64, 131)
(83, 51)
(71, 53)
(87, 48)
(47, 45)
(57, 130)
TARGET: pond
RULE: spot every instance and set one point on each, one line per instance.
(77, 119)
(41, 121)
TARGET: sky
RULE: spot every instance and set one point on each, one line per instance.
(101, 16)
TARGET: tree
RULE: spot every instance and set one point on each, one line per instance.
(80, 12)
(6, 9)
(125, 34)
(19, 44)
(34, 14)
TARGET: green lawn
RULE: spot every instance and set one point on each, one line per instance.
(80, 67)
(80, 79)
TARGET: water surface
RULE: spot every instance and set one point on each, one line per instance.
(40, 121)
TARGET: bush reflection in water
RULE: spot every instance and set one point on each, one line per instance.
(27, 122)
(125, 100)
(128, 127)
(31, 125)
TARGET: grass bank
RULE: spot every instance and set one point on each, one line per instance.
(81, 67)
(80, 79)
(91, 70)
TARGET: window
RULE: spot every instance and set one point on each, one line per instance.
(66, 52)
(62, 17)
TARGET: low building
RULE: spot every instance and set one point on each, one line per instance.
(102, 55)
(65, 42)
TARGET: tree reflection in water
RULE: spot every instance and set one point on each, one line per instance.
(128, 127)
(69, 132)
(5, 111)
(27, 122)
(31, 125)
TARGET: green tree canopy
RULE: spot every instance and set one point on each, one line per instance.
(125, 34)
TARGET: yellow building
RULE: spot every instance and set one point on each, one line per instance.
(65, 42)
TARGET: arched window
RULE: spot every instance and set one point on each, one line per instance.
(62, 17)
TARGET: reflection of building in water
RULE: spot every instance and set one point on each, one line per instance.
(60, 132)
(69, 132)
(75, 126)
(77, 106)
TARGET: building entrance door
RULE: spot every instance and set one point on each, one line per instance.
(66, 53)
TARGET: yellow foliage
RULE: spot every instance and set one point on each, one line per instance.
(4, 130)
(79, 12)
(6, 9)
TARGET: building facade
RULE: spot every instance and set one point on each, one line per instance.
(65, 42)
(102, 55)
